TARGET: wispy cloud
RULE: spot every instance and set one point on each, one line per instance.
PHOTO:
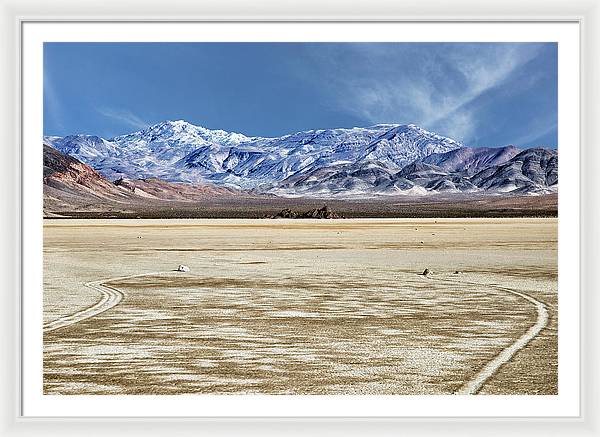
(124, 116)
(536, 134)
(408, 83)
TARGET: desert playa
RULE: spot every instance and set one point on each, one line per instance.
(301, 306)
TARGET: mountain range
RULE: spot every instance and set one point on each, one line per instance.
(380, 160)
(71, 185)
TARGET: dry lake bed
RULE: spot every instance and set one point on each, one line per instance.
(300, 306)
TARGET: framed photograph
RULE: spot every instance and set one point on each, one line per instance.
(231, 218)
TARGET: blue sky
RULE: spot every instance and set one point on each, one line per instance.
(484, 94)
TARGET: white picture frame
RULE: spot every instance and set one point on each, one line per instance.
(15, 13)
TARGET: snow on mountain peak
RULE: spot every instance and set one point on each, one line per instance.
(176, 150)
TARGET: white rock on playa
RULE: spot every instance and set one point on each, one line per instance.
(183, 268)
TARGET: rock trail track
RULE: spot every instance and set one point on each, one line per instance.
(473, 385)
(111, 297)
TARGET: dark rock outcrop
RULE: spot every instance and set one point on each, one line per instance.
(318, 213)
(321, 213)
(286, 213)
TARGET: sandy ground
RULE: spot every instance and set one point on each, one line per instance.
(310, 307)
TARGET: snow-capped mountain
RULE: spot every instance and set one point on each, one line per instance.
(180, 151)
(464, 170)
(158, 151)
(87, 148)
(531, 171)
(377, 160)
(471, 160)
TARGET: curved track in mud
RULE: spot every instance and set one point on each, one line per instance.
(111, 297)
(475, 384)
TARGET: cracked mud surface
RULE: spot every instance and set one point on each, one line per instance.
(311, 307)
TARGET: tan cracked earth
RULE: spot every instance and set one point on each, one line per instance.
(301, 307)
